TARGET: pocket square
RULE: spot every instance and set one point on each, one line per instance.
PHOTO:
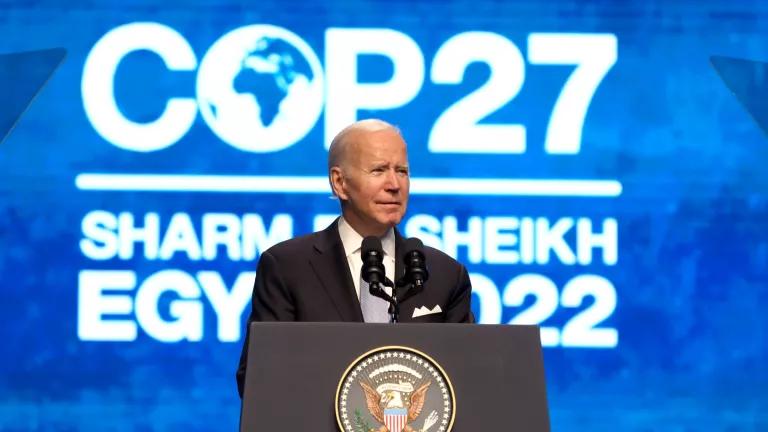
(423, 310)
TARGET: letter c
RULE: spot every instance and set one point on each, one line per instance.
(97, 87)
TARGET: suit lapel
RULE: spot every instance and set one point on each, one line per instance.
(330, 265)
(399, 266)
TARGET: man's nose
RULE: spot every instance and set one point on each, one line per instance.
(391, 183)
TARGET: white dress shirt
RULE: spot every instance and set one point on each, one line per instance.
(352, 242)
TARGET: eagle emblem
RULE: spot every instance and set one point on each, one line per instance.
(386, 405)
(395, 389)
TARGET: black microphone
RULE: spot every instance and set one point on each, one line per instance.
(416, 272)
(415, 264)
(373, 264)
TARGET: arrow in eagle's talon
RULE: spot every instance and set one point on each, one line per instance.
(429, 421)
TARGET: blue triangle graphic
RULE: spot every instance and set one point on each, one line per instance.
(748, 80)
(22, 76)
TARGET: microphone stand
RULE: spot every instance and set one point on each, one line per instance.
(394, 305)
(401, 291)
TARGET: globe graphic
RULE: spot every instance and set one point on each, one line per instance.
(260, 88)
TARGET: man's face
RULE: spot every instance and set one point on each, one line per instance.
(373, 181)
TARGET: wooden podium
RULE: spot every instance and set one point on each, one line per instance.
(295, 369)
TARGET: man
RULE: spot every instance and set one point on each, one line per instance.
(317, 277)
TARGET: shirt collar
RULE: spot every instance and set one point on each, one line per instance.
(352, 241)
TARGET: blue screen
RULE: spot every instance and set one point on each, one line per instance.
(584, 160)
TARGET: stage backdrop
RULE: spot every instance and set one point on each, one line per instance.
(583, 159)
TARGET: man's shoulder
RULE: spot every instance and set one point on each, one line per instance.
(435, 255)
(301, 245)
(295, 245)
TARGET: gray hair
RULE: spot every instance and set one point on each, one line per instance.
(338, 150)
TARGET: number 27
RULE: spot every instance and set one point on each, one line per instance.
(457, 129)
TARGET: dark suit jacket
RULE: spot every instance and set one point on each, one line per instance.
(307, 279)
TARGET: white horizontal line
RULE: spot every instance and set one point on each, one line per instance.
(319, 185)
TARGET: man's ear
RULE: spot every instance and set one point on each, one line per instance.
(338, 183)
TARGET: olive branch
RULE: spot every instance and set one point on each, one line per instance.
(361, 425)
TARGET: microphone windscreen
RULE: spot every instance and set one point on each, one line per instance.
(413, 244)
(371, 244)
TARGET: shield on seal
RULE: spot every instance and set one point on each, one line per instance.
(395, 419)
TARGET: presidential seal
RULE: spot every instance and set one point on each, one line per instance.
(395, 389)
